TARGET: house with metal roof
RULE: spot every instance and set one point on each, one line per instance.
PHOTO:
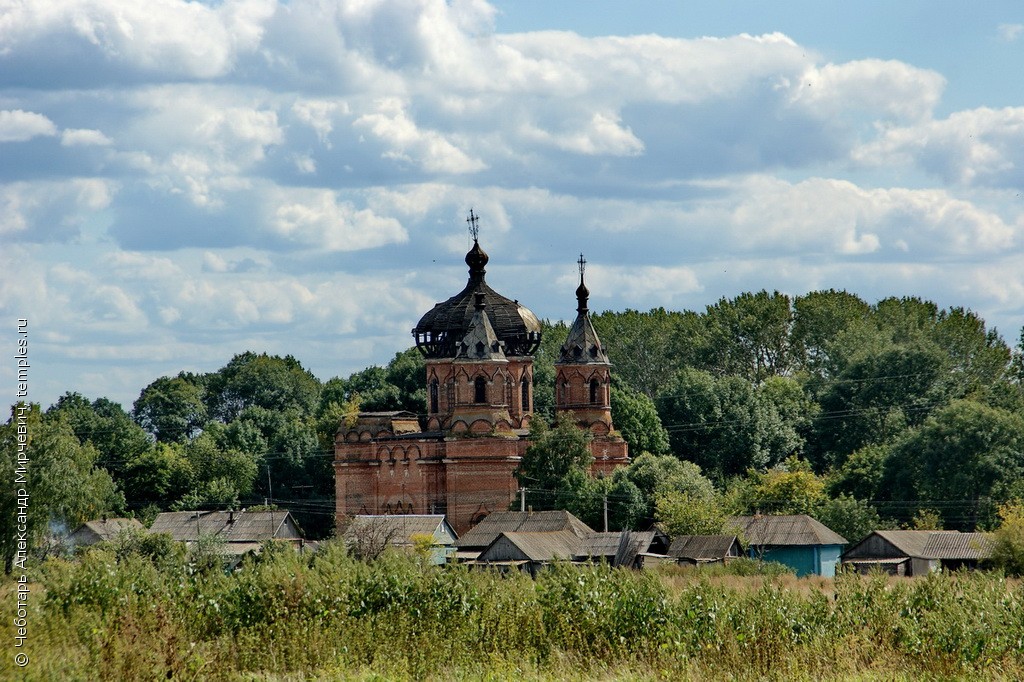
(102, 530)
(622, 548)
(798, 541)
(240, 531)
(918, 552)
(480, 536)
(529, 551)
(698, 550)
(368, 534)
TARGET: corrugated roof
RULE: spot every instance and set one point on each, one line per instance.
(108, 529)
(544, 545)
(958, 546)
(631, 545)
(400, 528)
(798, 529)
(239, 526)
(484, 533)
(600, 545)
(910, 542)
(701, 547)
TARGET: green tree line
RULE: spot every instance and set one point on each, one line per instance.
(865, 415)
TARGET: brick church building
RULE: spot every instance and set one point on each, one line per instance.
(479, 349)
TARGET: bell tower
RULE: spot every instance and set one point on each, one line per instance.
(583, 372)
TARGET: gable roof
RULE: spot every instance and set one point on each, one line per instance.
(239, 526)
(485, 532)
(702, 547)
(798, 529)
(958, 546)
(540, 546)
(107, 529)
(399, 528)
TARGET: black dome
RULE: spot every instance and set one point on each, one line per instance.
(447, 323)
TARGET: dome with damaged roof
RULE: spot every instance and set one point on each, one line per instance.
(440, 331)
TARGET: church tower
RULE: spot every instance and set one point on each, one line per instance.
(583, 372)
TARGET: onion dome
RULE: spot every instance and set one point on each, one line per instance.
(582, 346)
(439, 333)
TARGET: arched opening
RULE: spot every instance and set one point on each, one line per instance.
(526, 395)
(433, 396)
(595, 391)
(480, 390)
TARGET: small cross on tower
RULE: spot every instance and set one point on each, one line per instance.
(583, 266)
(474, 229)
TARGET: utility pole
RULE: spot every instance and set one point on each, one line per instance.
(522, 499)
(605, 513)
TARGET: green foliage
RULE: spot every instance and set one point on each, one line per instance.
(725, 425)
(748, 336)
(267, 381)
(556, 464)
(1008, 553)
(683, 513)
(104, 425)
(636, 418)
(965, 451)
(172, 409)
(852, 518)
(285, 616)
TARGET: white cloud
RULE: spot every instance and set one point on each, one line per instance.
(1010, 32)
(975, 147)
(84, 137)
(19, 126)
(316, 218)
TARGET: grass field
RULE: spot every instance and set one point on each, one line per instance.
(289, 618)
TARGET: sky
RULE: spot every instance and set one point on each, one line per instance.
(184, 181)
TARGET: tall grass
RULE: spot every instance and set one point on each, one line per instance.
(331, 617)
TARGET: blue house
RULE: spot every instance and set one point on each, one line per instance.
(800, 542)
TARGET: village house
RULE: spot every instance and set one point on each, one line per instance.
(102, 530)
(367, 536)
(798, 541)
(918, 552)
(479, 348)
(240, 532)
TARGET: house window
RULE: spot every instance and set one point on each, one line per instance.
(433, 396)
(595, 391)
(480, 390)
(526, 395)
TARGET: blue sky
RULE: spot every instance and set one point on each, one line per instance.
(180, 182)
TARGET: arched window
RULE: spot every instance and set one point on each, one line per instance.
(480, 390)
(595, 391)
(433, 396)
(526, 395)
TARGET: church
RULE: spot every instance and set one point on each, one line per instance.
(479, 349)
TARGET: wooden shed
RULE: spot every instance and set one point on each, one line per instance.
(705, 549)
(478, 538)
(240, 531)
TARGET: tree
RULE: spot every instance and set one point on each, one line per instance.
(103, 424)
(160, 474)
(789, 488)
(65, 485)
(819, 318)
(648, 348)
(172, 409)
(655, 475)
(724, 425)
(267, 381)
(554, 462)
(407, 371)
(965, 451)
(681, 513)
(636, 418)
(852, 518)
(1008, 553)
(748, 336)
